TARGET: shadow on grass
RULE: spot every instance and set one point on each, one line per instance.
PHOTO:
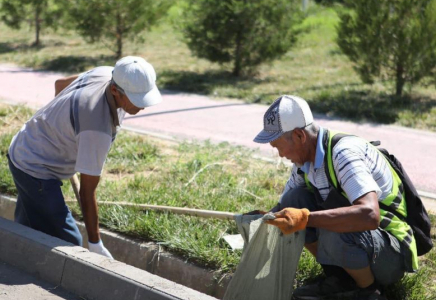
(268, 98)
(18, 46)
(367, 106)
(204, 83)
(6, 48)
(75, 64)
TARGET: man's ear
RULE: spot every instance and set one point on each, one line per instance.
(113, 89)
(301, 135)
(117, 96)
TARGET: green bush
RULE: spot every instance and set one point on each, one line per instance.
(245, 33)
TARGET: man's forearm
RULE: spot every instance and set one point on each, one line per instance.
(88, 186)
(90, 216)
(344, 219)
(362, 216)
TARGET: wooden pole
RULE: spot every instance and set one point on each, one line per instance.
(177, 210)
(76, 188)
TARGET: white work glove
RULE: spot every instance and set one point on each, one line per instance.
(99, 248)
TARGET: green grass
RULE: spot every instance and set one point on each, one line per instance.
(315, 69)
(11, 119)
(213, 177)
(220, 177)
(419, 286)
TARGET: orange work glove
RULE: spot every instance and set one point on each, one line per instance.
(290, 220)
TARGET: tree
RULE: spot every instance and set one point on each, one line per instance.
(244, 32)
(39, 13)
(390, 39)
(329, 2)
(115, 20)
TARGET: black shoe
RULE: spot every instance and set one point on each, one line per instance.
(328, 288)
(369, 294)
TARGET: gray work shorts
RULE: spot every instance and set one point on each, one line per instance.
(377, 249)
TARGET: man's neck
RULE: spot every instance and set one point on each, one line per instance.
(312, 143)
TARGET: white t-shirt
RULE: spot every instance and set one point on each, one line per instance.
(72, 133)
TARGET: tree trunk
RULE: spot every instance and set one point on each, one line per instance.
(237, 65)
(399, 82)
(37, 24)
(119, 36)
(119, 52)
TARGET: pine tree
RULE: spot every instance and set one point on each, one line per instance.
(390, 39)
(115, 20)
(39, 13)
(243, 32)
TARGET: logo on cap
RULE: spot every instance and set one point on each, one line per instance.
(271, 117)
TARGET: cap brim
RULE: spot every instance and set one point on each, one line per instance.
(143, 100)
(267, 136)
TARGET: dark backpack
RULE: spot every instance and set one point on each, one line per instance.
(417, 216)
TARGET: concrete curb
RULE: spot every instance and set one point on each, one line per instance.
(81, 272)
(148, 257)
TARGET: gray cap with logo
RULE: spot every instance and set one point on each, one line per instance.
(285, 114)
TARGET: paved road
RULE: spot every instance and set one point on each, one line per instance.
(18, 285)
(199, 117)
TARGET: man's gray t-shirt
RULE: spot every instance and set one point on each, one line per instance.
(72, 133)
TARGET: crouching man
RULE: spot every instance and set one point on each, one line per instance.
(333, 192)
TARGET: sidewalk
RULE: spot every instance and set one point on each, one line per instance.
(187, 116)
(61, 265)
(16, 284)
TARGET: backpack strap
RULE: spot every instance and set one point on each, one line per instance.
(383, 206)
(309, 185)
(329, 144)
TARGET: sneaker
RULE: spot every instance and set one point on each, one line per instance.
(328, 288)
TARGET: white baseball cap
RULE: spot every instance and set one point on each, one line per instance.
(137, 78)
(285, 114)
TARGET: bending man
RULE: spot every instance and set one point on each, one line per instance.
(73, 133)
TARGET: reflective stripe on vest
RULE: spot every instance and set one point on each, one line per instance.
(395, 200)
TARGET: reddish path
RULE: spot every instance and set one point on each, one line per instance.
(198, 117)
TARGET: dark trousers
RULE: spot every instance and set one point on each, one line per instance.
(41, 206)
(377, 249)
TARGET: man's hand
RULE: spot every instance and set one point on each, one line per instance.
(290, 220)
(99, 248)
(62, 83)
